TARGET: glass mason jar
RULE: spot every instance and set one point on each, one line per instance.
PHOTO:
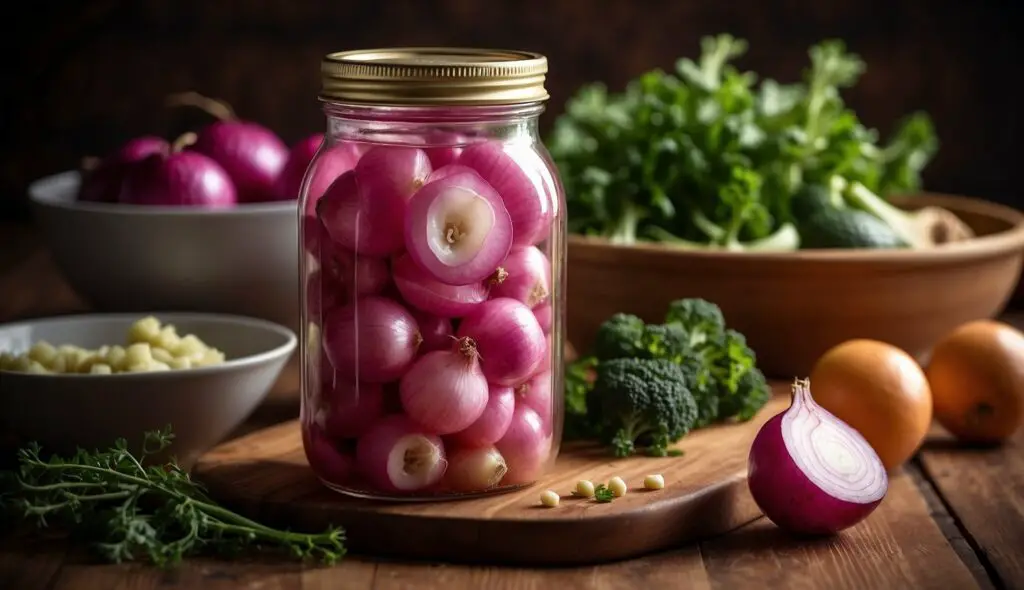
(433, 273)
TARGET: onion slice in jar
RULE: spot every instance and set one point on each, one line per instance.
(524, 182)
(397, 455)
(422, 291)
(810, 472)
(457, 229)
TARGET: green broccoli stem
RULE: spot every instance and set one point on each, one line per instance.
(784, 239)
(623, 232)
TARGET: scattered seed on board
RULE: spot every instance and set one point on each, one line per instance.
(617, 487)
(584, 488)
(654, 482)
(549, 498)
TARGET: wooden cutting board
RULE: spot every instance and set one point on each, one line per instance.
(265, 476)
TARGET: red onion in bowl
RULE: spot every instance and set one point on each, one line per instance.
(509, 339)
(372, 339)
(524, 182)
(102, 182)
(810, 472)
(422, 291)
(397, 455)
(252, 155)
(179, 178)
(493, 422)
(457, 229)
(350, 408)
(526, 276)
(526, 447)
(445, 391)
(436, 331)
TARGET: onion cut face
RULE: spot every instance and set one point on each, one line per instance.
(445, 391)
(457, 229)
(510, 341)
(811, 473)
(372, 340)
(397, 455)
(524, 182)
(425, 293)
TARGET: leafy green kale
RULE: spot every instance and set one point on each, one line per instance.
(645, 403)
(707, 156)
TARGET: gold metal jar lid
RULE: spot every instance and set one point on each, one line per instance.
(434, 76)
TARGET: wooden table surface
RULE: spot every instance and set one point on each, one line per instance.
(953, 519)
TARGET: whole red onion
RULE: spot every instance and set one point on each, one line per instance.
(102, 182)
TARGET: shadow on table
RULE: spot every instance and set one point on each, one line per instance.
(763, 536)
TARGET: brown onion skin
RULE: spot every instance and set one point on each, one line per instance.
(787, 497)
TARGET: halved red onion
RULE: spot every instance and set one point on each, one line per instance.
(363, 210)
(509, 339)
(457, 229)
(422, 291)
(810, 472)
(523, 180)
(397, 455)
(526, 277)
(372, 340)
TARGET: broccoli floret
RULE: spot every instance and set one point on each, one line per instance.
(750, 396)
(644, 403)
(705, 394)
(702, 319)
(665, 341)
(742, 389)
(619, 337)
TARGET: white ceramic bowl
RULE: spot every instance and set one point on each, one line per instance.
(123, 258)
(201, 405)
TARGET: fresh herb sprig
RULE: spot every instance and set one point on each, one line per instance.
(128, 510)
(602, 494)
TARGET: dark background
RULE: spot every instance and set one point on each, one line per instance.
(80, 77)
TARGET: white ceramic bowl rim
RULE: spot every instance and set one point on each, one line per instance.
(59, 190)
(222, 320)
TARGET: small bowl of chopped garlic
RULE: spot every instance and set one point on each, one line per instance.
(87, 380)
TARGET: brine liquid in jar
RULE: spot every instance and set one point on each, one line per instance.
(432, 226)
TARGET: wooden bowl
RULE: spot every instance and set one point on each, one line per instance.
(794, 306)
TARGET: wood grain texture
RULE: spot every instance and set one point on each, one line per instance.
(898, 546)
(984, 490)
(265, 475)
